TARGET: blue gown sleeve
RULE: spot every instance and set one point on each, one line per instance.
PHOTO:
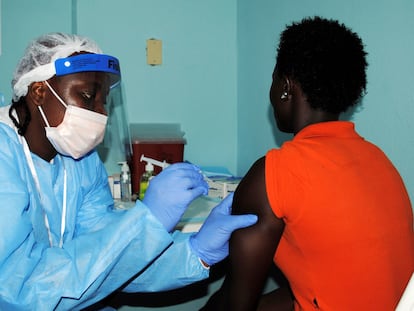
(95, 260)
(178, 266)
(125, 249)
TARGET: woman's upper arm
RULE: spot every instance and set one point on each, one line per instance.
(252, 249)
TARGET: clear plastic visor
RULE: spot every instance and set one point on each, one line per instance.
(117, 143)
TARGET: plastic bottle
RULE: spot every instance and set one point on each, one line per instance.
(145, 178)
(125, 181)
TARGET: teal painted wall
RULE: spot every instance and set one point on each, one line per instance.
(23, 20)
(387, 112)
(218, 57)
(196, 84)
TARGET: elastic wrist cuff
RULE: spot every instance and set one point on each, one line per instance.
(205, 266)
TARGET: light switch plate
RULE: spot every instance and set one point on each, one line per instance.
(154, 52)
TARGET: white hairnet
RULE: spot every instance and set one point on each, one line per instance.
(37, 64)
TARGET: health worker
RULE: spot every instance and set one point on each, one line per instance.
(63, 245)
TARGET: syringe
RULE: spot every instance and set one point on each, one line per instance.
(162, 164)
(217, 189)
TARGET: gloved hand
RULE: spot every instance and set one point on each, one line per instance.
(171, 191)
(211, 243)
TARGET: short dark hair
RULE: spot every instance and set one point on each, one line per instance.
(327, 59)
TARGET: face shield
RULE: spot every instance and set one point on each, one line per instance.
(116, 138)
(116, 146)
(63, 54)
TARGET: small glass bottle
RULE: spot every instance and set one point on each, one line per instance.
(145, 178)
(125, 181)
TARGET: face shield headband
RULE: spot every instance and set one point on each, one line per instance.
(90, 62)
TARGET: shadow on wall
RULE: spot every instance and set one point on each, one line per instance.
(349, 114)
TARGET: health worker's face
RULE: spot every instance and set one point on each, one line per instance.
(88, 90)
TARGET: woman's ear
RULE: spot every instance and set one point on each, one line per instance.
(36, 93)
(286, 89)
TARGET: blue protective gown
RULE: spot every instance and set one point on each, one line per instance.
(103, 248)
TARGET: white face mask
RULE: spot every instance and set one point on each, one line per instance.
(80, 131)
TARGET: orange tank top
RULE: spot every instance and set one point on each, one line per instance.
(348, 242)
